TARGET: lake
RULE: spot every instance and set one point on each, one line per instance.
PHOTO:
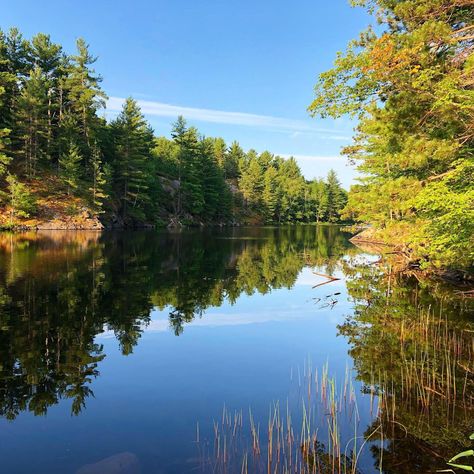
(226, 350)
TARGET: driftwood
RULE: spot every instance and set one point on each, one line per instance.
(328, 277)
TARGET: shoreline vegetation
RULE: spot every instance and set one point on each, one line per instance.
(409, 83)
(63, 166)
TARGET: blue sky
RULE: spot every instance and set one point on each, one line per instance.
(242, 70)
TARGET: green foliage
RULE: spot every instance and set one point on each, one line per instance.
(22, 202)
(100, 180)
(336, 197)
(82, 87)
(70, 168)
(317, 200)
(50, 103)
(132, 160)
(4, 159)
(31, 118)
(411, 86)
(271, 195)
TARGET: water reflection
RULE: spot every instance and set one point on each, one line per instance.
(59, 290)
(410, 340)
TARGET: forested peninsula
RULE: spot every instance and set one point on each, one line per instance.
(64, 166)
(410, 83)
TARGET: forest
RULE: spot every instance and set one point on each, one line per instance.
(61, 161)
(410, 83)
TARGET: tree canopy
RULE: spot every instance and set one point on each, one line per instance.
(410, 83)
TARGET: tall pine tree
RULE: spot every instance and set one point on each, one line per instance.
(132, 160)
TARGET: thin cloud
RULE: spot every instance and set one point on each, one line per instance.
(313, 158)
(160, 109)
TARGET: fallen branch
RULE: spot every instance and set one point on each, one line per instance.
(328, 277)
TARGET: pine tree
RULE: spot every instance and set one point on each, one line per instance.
(99, 179)
(4, 133)
(190, 172)
(48, 57)
(318, 200)
(84, 95)
(233, 157)
(293, 190)
(22, 202)
(336, 198)
(265, 160)
(220, 151)
(271, 195)
(9, 76)
(70, 168)
(31, 119)
(213, 184)
(178, 134)
(4, 159)
(251, 181)
(132, 160)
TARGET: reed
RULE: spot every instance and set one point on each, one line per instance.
(303, 437)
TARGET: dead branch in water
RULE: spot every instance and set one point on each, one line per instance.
(328, 277)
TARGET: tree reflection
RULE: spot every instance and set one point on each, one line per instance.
(412, 344)
(59, 290)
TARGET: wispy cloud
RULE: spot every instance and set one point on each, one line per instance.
(160, 109)
(313, 158)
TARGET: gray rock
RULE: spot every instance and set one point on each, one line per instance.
(121, 463)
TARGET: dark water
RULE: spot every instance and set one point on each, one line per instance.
(156, 352)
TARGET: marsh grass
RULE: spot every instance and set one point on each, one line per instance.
(307, 433)
(318, 428)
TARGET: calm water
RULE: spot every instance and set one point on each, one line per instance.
(157, 351)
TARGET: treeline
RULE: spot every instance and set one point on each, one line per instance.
(50, 126)
(264, 185)
(411, 85)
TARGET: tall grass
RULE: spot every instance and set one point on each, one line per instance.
(304, 437)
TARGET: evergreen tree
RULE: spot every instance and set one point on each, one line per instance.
(4, 159)
(98, 188)
(165, 153)
(293, 190)
(251, 181)
(47, 56)
(84, 95)
(12, 49)
(233, 157)
(271, 195)
(213, 184)
(190, 172)
(49, 103)
(132, 160)
(220, 152)
(265, 160)
(318, 200)
(336, 199)
(178, 134)
(70, 168)
(22, 202)
(31, 120)
(4, 133)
